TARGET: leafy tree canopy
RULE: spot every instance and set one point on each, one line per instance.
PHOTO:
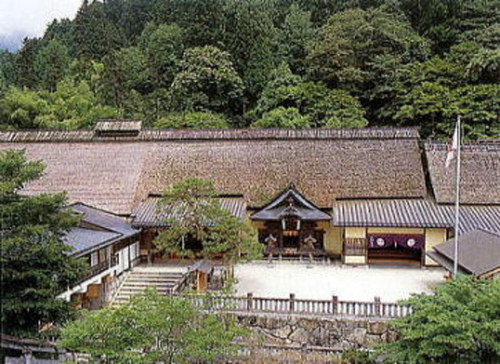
(34, 263)
(71, 106)
(207, 81)
(322, 106)
(282, 118)
(351, 39)
(193, 120)
(153, 328)
(199, 215)
(459, 323)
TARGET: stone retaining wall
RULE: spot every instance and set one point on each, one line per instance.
(335, 334)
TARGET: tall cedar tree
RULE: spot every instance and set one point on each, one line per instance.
(34, 263)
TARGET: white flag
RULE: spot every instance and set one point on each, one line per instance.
(453, 148)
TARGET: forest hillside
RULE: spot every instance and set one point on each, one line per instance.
(262, 63)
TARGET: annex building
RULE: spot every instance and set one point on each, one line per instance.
(360, 195)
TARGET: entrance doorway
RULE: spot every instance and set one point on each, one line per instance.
(395, 248)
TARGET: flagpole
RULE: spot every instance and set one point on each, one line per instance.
(457, 197)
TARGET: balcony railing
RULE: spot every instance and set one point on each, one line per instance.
(99, 268)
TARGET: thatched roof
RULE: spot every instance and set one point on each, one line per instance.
(119, 172)
(104, 175)
(323, 168)
(480, 173)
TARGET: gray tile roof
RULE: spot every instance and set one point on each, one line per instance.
(97, 229)
(84, 241)
(104, 219)
(147, 213)
(390, 213)
(414, 213)
(478, 252)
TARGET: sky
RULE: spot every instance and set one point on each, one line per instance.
(28, 18)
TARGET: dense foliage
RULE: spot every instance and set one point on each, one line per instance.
(194, 213)
(34, 263)
(459, 323)
(264, 63)
(153, 328)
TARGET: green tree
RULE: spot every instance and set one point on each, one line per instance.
(295, 34)
(153, 328)
(24, 63)
(125, 70)
(71, 106)
(200, 216)
(322, 106)
(163, 46)
(251, 38)
(282, 118)
(207, 81)
(6, 71)
(94, 34)
(202, 20)
(61, 31)
(20, 108)
(351, 39)
(193, 120)
(458, 323)
(34, 263)
(51, 64)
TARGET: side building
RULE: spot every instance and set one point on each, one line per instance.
(109, 245)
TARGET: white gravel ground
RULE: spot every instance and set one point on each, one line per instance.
(390, 283)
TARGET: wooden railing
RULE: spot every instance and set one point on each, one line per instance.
(332, 307)
(99, 268)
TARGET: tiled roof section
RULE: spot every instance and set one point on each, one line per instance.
(478, 253)
(105, 220)
(484, 217)
(104, 175)
(223, 134)
(290, 203)
(147, 213)
(390, 213)
(322, 170)
(97, 229)
(414, 213)
(480, 173)
(83, 241)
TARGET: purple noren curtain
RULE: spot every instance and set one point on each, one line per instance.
(387, 241)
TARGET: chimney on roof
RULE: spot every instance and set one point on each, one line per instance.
(118, 128)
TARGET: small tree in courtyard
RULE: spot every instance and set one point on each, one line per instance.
(153, 329)
(194, 212)
(459, 323)
(33, 264)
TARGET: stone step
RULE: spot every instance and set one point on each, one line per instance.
(141, 289)
(133, 276)
(159, 274)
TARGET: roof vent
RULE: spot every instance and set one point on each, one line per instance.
(118, 128)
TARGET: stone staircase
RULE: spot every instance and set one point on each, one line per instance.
(138, 280)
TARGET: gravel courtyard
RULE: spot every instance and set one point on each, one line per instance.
(390, 283)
